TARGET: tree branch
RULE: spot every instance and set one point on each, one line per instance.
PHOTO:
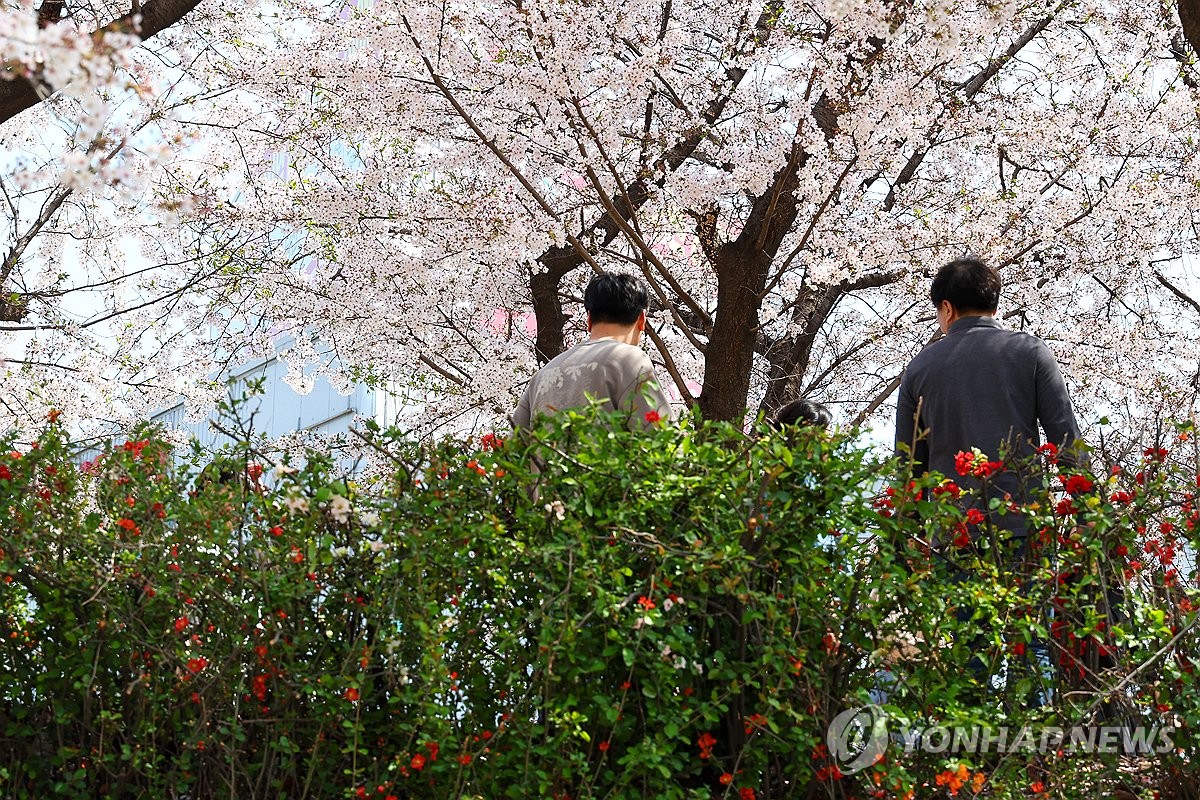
(22, 93)
(1172, 288)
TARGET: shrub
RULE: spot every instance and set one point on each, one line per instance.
(581, 612)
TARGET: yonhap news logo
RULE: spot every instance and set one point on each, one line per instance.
(859, 737)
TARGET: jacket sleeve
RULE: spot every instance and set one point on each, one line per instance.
(1054, 410)
(521, 415)
(907, 427)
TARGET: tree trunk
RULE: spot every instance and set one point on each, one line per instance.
(729, 357)
(742, 267)
(1189, 18)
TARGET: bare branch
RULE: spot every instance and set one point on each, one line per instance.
(1172, 288)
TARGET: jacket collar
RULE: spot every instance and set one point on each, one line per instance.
(966, 323)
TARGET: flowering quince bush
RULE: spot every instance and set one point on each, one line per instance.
(579, 611)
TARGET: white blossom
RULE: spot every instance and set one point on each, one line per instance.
(296, 503)
(339, 508)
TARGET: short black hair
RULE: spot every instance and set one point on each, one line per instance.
(802, 412)
(969, 285)
(616, 297)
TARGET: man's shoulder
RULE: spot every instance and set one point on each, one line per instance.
(609, 351)
(592, 354)
(982, 338)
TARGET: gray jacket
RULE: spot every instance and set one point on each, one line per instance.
(986, 387)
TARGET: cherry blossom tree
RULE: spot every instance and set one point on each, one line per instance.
(414, 193)
(97, 286)
(785, 176)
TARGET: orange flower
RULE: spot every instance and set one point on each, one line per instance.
(954, 779)
(352, 694)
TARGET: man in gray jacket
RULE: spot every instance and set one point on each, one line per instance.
(981, 386)
(607, 366)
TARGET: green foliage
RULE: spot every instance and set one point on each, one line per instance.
(578, 612)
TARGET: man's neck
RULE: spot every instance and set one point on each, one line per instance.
(629, 334)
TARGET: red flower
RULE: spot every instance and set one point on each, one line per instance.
(195, 665)
(706, 741)
(1037, 787)
(963, 462)
(746, 793)
(755, 721)
(646, 603)
(1064, 508)
(1018, 648)
(1077, 484)
(987, 469)
(418, 761)
(433, 750)
(5, 475)
(259, 687)
(181, 624)
(975, 516)
(604, 746)
(1050, 450)
(652, 417)
(255, 471)
(464, 759)
(726, 779)
(947, 487)
(352, 694)
(961, 538)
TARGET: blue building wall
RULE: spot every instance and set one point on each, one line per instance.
(279, 410)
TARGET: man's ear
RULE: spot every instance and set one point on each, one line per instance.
(588, 317)
(641, 321)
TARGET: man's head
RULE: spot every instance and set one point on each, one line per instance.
(616, 301)
(965, 287)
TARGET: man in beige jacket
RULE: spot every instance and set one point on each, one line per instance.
(607, 366)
